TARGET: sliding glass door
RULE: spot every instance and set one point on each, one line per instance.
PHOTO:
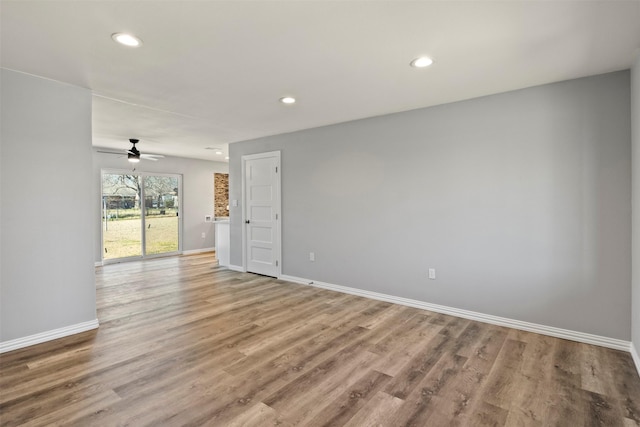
(140, 215)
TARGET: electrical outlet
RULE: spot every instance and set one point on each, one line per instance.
(432, 273)
(312, 256)
(204, 234)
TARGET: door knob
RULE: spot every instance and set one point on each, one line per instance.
(247, 222)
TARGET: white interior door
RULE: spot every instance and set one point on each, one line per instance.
(261, 213)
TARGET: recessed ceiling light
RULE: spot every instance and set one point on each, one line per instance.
(226, 158)
(288, 100)
(218, 152)
(126, 39)
(421, 62)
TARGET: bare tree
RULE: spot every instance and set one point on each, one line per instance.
(156, 188)
(121, 184)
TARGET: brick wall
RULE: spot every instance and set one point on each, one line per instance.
(221, 194)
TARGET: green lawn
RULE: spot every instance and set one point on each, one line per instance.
(122, 238)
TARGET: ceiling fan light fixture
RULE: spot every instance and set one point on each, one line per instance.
(126, 39)
(133, 155)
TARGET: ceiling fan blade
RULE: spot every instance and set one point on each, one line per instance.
(152, 155)
(111, 152)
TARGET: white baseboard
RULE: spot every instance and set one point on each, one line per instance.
(98, 264)
(236, 268)
(47, 336)
(472, 315)
(635, 356)
(198, 251)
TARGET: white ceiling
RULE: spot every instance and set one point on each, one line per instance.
(211, 72)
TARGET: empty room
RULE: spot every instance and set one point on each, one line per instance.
(319, 213)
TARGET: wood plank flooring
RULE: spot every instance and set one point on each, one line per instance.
(185, 343)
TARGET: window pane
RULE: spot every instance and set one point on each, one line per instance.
(121, 225)
(161, 214)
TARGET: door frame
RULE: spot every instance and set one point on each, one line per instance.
(278, 205)
(142, 216)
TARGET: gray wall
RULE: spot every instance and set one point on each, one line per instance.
(635, 131)
(520, 200)
(197, 193)
(47, 275)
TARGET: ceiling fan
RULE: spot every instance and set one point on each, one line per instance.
(134, 155)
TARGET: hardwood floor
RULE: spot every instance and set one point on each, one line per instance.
(184, 343)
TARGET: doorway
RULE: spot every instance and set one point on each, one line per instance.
(261, 214)
(140, 215)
